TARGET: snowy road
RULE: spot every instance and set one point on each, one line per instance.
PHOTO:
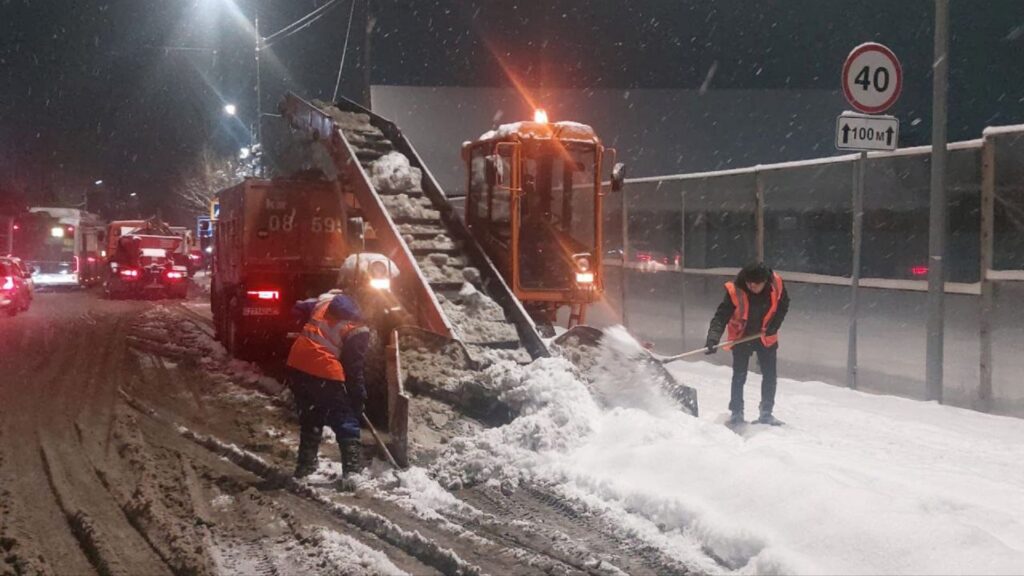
(129, 444)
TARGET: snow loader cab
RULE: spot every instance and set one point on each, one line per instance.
(534, 204)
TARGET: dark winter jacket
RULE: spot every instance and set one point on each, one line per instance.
(759, 305)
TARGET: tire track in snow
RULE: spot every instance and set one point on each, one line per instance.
(411, 542)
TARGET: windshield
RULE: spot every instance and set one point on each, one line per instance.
(556, 214)
(43, 242)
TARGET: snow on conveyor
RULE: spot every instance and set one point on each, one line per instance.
(855, 484)
(476, 318)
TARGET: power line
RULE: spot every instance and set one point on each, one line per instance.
(300, 24)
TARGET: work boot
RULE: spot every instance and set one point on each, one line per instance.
(735, 420)
(351, 456)
(309, 445)
(767, 418)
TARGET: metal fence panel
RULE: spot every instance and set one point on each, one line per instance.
(808, 218)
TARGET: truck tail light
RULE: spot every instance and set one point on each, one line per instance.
(175, 275)
(8, 283)
(919, 270)
(264, 294)
(129, 273)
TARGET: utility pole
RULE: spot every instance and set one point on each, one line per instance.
(937, 219)
(371, 22)
(259, 95)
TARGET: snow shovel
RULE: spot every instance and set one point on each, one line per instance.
(667, 359)
(373, 430)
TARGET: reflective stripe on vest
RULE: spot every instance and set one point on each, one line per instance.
(738, 322)
(317, 350)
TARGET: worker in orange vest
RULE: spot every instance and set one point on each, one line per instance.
(755, 303)
(327, 378)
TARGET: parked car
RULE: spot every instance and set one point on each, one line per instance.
(15, 286)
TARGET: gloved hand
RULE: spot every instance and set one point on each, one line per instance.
(711, 346)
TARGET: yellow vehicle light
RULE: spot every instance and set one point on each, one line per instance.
(584, 277)
(380, 283)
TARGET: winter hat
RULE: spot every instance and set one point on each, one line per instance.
(755, 272)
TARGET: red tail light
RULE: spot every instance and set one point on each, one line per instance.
(129, 273)
(919, 270)
(8, 283)
(175, 275)
(264, 294)
(78, 265)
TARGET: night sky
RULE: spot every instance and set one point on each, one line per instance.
(129, 91)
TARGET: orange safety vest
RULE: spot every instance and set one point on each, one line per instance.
(317, 350)
(741, 309)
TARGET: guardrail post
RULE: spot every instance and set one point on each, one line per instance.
(759, 218)
(988, 177)
(682, 268)
(625, 254)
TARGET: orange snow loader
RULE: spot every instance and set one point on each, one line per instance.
(534, 203)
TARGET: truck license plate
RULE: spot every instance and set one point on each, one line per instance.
(259, 311)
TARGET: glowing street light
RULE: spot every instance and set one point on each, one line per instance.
(98, 182)
(230, 109)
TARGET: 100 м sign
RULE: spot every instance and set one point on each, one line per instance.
(865, 132)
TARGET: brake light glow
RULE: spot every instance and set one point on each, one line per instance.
(264, 294)
(175, 275)
(919, 270)
(8, 283)
(129, 273)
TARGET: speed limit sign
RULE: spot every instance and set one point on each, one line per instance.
(872, 78)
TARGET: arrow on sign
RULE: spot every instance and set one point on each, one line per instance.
(846, 133)
(888, 136)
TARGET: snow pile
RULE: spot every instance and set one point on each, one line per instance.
(555, 413)
(621, 376)
(401, 206)
(392, 174)
(855, 484)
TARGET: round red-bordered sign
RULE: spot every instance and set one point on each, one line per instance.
(872, 78)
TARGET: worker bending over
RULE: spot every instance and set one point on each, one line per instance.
(755, 302)
(327, 364)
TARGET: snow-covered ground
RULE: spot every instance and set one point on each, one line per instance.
(855, 484)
